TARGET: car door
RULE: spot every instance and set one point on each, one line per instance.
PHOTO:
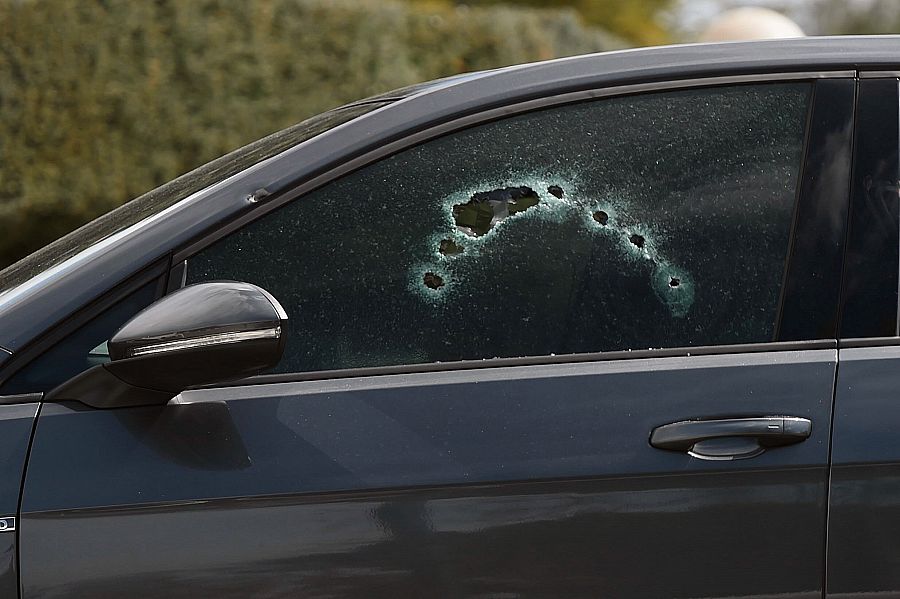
(587, 349)
(863, 555)
(16, 424)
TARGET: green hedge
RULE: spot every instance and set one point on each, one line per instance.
(102, 100)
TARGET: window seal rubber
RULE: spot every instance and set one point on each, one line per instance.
(678, 352)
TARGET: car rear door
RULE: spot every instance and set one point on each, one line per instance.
(863, 528)
(667, 261)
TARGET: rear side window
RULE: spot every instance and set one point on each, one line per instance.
(647, 221)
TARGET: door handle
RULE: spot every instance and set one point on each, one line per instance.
(730, 438)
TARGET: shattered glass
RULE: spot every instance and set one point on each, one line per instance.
(657, 220)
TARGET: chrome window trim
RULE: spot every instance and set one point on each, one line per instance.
(257, 387)
(879, 74)
(769, 347)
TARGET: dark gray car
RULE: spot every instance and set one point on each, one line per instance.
(621, 325)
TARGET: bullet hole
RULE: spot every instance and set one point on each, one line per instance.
(487, 208)
(674, 288)
(637, 240)
(449, 247)
(433, 281)
(601, 217)
(555, 191)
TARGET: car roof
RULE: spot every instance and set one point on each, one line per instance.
(868, 52)
(746, 56)
(89, 274)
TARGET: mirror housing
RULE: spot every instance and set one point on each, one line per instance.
(201, 334)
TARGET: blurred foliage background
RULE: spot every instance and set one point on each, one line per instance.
(102, 100)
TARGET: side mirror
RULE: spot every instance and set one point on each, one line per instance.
(205, 333)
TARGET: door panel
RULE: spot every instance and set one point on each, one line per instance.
(864, 513)
(532, 481)
(864, 520)
(668, 536)
(16, 425)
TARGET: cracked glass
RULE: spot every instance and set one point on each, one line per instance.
(649, 221)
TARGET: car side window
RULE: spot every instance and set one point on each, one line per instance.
(635, 222)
